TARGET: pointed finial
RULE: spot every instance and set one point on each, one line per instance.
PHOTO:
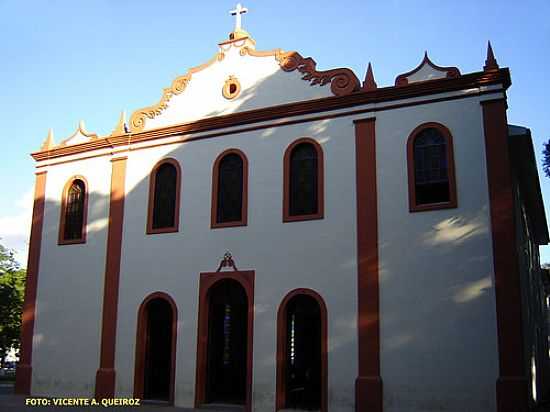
(84, 132)
(121, 127)
(48, 143)
(490, 62)
(369, 83)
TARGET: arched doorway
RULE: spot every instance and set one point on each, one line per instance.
(227, 343)
(302, 352)
(156, 349)
(224, 345)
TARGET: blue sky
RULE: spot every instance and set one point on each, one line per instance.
(63, 61)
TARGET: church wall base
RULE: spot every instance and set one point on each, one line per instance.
(368, 394)
(512, 394)
(23, 379)
(105, 383)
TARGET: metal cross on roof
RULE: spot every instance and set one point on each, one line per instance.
(237, 13)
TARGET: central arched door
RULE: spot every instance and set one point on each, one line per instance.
(227, 343)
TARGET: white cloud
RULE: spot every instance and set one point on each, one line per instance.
(15, 228)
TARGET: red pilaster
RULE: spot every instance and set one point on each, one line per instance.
(24, 368)
(512, 385)
(106, 374)
(368, 386)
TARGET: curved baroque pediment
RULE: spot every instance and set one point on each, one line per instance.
(264, 78)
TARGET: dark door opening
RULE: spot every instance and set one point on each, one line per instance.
(158, 351)
(303, 354)
(227, 343)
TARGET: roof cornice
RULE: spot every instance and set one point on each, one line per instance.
(360, 97)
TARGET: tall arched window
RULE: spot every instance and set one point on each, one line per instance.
(230, 189)
(302, 373)
(303, 181)
(72, 227)
(164, 197)
(431, 168)
(155, 357)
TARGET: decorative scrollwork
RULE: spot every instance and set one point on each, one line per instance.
(343, 81)
(227, 261)
(137, 120)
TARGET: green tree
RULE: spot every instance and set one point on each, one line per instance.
(12, 287)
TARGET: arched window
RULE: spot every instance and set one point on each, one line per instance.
(164, 197)
(302, 352)
(72, 228)
(303, 181)
(155, 357)
(230, 189)
(431, 168)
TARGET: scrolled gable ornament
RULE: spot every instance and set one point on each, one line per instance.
(342, 81)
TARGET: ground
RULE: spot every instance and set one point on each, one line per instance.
(16, 403)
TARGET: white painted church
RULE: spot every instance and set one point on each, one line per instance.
(275, 236)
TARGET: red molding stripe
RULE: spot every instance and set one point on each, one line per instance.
(368, 386)
(24, 368)
(105, 377)
(512, 385)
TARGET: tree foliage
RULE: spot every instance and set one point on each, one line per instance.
(12, 287)
(546, 158)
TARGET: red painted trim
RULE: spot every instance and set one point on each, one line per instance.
(24, 368)
(151, 202)
(376, 97)
(141, 337)
(320, 182)
(105, 376)
(82, 239)
(368, 386)
(190, 138)
(215, 180)
(452, 203)
(280, 400)
(451, 72)
(207, 280)
(512, 383)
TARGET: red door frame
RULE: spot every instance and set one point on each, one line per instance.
(207, 280)
(141, 339)
(280, 398)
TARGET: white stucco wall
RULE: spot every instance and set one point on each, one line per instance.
(316, 254)
(437, 301)
(70, 288)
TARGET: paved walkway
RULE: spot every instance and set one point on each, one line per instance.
(16, 403)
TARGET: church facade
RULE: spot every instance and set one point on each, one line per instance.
(279, 237)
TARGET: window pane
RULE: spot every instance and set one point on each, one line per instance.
(230, 189)
(74, 211)
(430, 167)
(303, 180)
(164, 209)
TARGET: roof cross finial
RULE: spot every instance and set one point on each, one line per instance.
(237, 13)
